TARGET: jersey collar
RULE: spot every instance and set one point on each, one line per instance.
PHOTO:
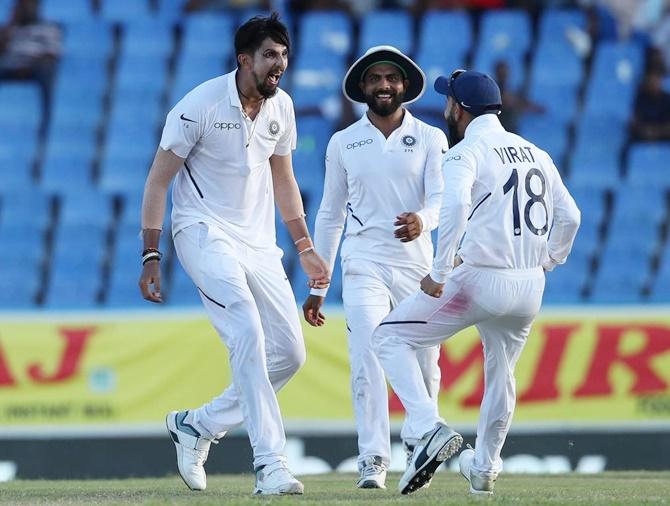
(232, 90)
(406, 119)
(484, 123)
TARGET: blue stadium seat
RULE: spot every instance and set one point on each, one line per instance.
(208, 35)
(26, 209)
(504, 35)
(308, 158)
(90, 208)
(73, 284)
(76, 105)
(548, 132)
(142, 73)
(92, 38)
(76, 266)
(376, 27)
(83, 72)
(621, 276)
(326, 33)
(152, 37)
(565, 283)
(16, 176)
(555, 25)
(171, 10)
(21, 242)
(544, 72)
(660, 287)
(615, 72)
(21, 105)
(19, 284)
(432, 28)
(71, 140)
(72, 11)
(316, 86)
(124, 174)
(591, 203)
(559, 101)
(127, 140)
(505, 31)
(6, 7)
(434, 65)
(136, 109)
(595, 160)
(486, 62)
(19, 143)
(125, 11)
(648, 164)
(67, 173)
(191, 72)
(644, 205)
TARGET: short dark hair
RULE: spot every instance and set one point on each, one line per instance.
(251, 34)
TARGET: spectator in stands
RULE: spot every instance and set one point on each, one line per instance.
(516, 104)
(651, 116)
(29, 48)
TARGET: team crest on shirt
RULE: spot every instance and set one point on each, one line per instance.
(409, 141)
(273, 127)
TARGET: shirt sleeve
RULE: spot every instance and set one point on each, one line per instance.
(184, 126)
(288, 140)
(565, 225)
(433, 181)
(333, 209)
(460, 171)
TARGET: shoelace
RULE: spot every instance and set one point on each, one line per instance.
(202, 454)
(372, 469)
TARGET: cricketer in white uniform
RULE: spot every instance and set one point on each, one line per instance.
(229, 144)
(519, 220)
(384, 170)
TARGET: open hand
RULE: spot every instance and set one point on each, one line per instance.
(411, 227)
(311, 310)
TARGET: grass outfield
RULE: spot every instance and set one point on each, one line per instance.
(448, 488)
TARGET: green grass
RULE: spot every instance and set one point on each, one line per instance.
(610, 488)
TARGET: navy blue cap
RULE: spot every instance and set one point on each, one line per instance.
(477, 93)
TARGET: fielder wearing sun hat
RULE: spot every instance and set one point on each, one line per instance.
(392, 56)
(474, 91)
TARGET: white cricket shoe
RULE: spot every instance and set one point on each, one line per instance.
(276, 479)
(409, 451)
(192, 450)
(434, 448)
(373, 473)
(478, 484)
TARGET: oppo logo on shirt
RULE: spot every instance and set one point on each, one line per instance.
(358, 144)
(228, 126)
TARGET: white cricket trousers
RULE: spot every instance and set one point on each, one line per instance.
(252, 307)
(369, 291)
(502, 304)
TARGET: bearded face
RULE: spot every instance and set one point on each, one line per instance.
(452, 124)
(384, 89)
(385, 102)
(269, 63)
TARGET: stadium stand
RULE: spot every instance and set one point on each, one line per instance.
(70, 196)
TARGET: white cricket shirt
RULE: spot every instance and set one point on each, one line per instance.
(370, 180)
(226, 179)
(506, 194)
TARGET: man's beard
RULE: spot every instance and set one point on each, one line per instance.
(266, 91)
(385, 109)
(452, 126)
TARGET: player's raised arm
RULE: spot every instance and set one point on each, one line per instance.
(163, 170)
